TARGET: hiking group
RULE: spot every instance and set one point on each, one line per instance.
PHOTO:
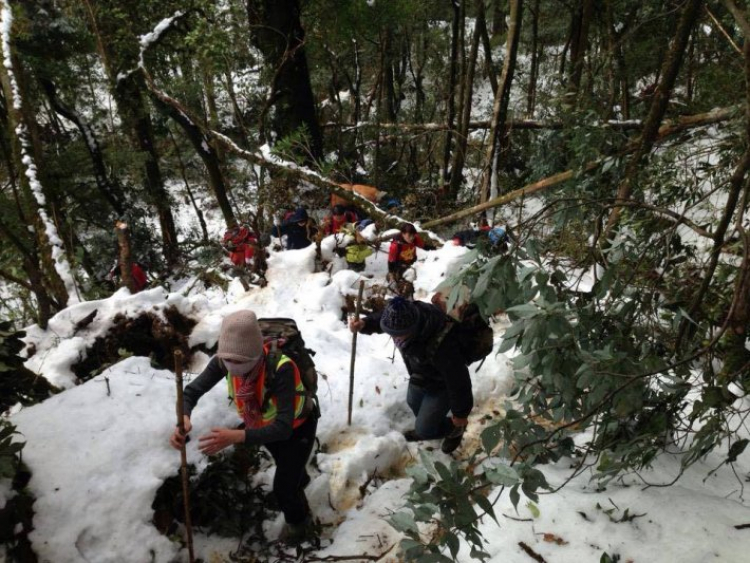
(272, 381)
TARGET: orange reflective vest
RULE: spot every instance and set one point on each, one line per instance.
(268, 404)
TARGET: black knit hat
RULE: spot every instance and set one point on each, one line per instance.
(399, 317)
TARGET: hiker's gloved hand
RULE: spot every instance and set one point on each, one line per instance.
(355, 325)
(218, 439)
(177, 440)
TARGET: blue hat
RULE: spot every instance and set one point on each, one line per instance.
(363, 224)
(300, 214)
(392, 202)
(399, 317)
(497, 235)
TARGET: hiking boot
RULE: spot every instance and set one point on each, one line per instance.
(412, 436)
(295, 534)
(453, 439)
(305, 481)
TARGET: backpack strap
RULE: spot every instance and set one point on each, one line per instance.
(272, 360)
(437, 340)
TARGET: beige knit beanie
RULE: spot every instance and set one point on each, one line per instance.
(240, 339)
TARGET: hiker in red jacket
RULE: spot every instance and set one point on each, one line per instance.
(239, 243)
(338, 218)
(137, 271)
(403, 251)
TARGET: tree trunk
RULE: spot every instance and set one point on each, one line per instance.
(738, 315)
(467, 89)
(205, 150)
(110, 191)
(578, 46)
(534, 70)
(450, 99)
(238, 117)
(498, 131)
(487, 48)
(276, 29)
(118, 48)
(498, 18)
(124, 260)
(670, 70)
(30, 202)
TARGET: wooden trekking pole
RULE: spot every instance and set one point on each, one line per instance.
(183, 454)
(357, 309)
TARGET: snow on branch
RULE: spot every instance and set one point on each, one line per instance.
(148, 39)
(62, 266)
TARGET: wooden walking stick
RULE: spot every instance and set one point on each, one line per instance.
(357, 309)
(183, 454)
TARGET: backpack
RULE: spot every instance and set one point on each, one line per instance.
(473, 333)
(284, 337)
(236, 236)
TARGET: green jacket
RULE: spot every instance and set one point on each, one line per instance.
(356, 253)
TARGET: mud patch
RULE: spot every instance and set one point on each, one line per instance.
(148, 334)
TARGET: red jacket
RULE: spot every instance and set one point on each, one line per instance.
(139, 277)
(332, 225)
(403, 254)
(240, 243)
(242, 255)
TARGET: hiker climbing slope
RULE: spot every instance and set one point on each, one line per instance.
(439, 380)
(273, 413)
(299, 229)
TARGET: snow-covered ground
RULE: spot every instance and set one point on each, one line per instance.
(98, 451)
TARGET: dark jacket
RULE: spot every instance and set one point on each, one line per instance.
(438, 368)
(297, 236)
(282, 388)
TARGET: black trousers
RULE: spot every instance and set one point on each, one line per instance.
(291, 474)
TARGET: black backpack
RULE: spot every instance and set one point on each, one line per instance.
(473, 333)
(284, 337)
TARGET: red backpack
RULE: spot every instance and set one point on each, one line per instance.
(237, 236)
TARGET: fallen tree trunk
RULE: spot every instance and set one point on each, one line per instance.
(666, 130)
(679, 123)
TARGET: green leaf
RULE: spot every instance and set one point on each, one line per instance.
(515, 497)
(534, 509)
(485, 505)
(506, 344)
(736, 449)
(515, 329)
(404, 522)
(527, 310)
(502, 474)
(452, 542)
(419, 474)
(490, 437)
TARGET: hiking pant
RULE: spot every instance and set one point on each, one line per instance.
(430, 406)
(291, 474)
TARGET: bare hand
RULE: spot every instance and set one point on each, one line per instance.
(355, 325)
(218, 439)
(177, 439)
(460, 421)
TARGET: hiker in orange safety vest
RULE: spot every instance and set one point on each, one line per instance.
(271, 411)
